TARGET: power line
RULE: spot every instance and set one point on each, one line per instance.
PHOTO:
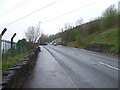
(15, 7)
(30, 14)
(27, 16)
(52, 18)
(70, 12)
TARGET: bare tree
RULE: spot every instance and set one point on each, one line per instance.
(68, 26)
(79, 22)
(32, 34)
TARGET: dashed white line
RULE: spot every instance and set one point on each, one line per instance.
(109, 66)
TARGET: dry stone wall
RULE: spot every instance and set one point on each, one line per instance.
(15, 76)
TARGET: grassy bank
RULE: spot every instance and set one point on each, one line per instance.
(108, 37)
(12, 61)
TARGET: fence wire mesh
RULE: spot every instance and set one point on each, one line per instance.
(11, 49)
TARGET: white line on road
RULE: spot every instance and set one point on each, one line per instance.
(109, 66)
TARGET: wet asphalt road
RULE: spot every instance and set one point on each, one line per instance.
(78, 68)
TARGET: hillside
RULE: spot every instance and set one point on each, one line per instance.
(100, 34)
(109, 38)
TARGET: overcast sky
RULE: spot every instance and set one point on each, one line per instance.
(18, 15)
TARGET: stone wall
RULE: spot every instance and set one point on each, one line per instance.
(15, 76)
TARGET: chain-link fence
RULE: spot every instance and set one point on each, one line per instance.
(10, 49)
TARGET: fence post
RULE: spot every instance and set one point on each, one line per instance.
(12, 44)
(1, 55)
(1, 43)
(0, 61)
(0, 48)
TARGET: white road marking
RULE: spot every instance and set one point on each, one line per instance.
(109, 66)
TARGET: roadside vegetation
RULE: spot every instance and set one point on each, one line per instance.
(12, 61)
(18, 53)
(109, 37)
(0, 68)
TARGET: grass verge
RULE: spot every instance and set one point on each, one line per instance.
(12, 61)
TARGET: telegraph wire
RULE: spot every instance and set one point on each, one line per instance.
(29, 14)
(15, 7)
(52, 18)
(70, 12)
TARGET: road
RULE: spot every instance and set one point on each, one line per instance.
(78, 68)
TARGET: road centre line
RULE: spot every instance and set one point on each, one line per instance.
(109, 66)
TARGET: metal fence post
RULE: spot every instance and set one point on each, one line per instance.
(0, 48)
(1, 55)
(12, 44)
(1, 43)
(0, 61)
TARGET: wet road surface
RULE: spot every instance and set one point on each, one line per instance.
(48, 73)
(67, 67)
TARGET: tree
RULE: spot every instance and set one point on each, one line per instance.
(68, 26)
(110, 17)
(79, 22)
(32, 34)
(22, 46)
(23, 41)
(43, 38)
(94, 26)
